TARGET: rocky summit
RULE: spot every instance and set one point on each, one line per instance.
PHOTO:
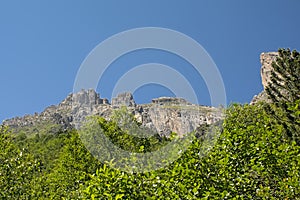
(163, 115)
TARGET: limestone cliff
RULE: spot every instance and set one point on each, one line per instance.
(164, 115)
(266, 60)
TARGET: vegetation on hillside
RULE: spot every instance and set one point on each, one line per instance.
(256, 156)
(253, 158)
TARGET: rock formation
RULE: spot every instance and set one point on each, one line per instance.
(266, 60)
(163, 115)
(123, 99)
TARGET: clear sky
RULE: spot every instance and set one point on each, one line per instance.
(43, 43)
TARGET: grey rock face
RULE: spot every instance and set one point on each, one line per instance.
(88, 97)
(164, 115)
(180, 119)
(123, 99)
(266, 60)
(260, 97)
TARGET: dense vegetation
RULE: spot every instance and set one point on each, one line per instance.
(255, 156)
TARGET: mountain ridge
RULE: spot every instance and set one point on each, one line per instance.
(163, 115)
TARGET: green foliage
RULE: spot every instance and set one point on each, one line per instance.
(17, 169)
(63, 165)
(287, 114)
(122, 131)
(45, 147)
(70, 171)
(121, 140)
(39, 128)
(285, 79)
(253, 158)
(284, 91)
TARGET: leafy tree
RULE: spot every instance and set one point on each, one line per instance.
(18, 169)
(251, 160)
(46, 147)
(70, 171)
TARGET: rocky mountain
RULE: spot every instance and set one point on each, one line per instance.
(164, 114)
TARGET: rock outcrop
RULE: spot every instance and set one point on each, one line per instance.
(123, 99)
(163, 115)
(266, 60)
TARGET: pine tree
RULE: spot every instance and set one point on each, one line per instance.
(285, 78)
(284, 91)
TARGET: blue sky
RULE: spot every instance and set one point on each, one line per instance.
(43, 43)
